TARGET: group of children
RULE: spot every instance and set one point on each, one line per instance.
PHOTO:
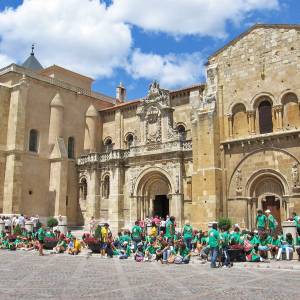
(170, 245)
(25, 240)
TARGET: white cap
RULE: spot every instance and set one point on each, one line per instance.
(267, 211)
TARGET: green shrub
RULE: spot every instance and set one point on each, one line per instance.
(224, 222)
(17, 230)
(52, 222)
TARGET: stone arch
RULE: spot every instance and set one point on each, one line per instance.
(291, 111)
(254, 102)
(239, 120)
(266, 175)
(147, 173)
(234, 103)
(239, 166)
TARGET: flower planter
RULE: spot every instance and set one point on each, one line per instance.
(93, 244)
(49, 244)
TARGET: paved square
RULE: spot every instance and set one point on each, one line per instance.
(27, 276)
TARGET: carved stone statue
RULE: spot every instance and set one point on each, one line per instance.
(238, 181)
(295, 175)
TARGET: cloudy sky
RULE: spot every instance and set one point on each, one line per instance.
(134, 41)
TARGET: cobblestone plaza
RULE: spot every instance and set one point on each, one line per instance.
(25, 275)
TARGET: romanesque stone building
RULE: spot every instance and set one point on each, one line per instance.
(223, 148)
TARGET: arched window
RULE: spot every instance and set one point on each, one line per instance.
(181, 131)
(265, 117)
(108, 145)
(291, 112)
(129, 140)
(239, 120)
(106, 187)
(71, 147)
(33, 140)
(83, 189)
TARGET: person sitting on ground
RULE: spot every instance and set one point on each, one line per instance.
(185, 253)
(125, 237)
(117, 240)
(150, 252)
(139, 253)
(264, 242)
(50, 234)
(61, 244)
(254, 256)
(275, 245)
(69, 235)
(125, 251)
(287, 247)
(235, 237)
(74, 248)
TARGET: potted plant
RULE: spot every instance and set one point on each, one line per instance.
(51, 242)
(94, 243)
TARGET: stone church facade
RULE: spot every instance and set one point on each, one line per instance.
(223, 148)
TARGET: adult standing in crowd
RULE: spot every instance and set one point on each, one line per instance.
(272, 223)
(213, 241)
(261, 221)
(136, 234)
(187, 233)
(296, 219)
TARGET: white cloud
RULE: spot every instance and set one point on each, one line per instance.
(5, 60)
(171, 70)
(90, 38)
(181, 17)
(76, 34)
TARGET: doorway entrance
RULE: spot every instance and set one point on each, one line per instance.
(273, 205)
(161, 206)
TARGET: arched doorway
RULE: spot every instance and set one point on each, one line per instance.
(268, 191)
(153, 195)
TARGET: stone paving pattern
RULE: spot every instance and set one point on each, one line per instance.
(25, 275)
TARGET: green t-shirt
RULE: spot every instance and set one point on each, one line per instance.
(254, 240)
(41, 234)
(151, 249)
(204, 240)
(50, 234)
(297, 221)
(272, 222)
(136, 231)
(266, 241)
(298, 241)
(184, 252)
(214, 238)
(125, 238)
(276, 242)
(62, 244)
(187, 231)
(261, 221)
(170, 229)
(225, 237)
(236, 237)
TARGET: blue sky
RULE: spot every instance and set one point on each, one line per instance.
(133, 41)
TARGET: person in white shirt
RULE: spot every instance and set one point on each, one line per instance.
(21, 221)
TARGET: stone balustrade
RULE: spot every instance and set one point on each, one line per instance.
(134, 151)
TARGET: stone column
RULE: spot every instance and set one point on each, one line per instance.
(278, 115)
(58, 180)
(116, 197)
(251, 118)
(15, 145)
(56, 119)
(93, 195)
(90, 139)
(230, 125)
(176, 208)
